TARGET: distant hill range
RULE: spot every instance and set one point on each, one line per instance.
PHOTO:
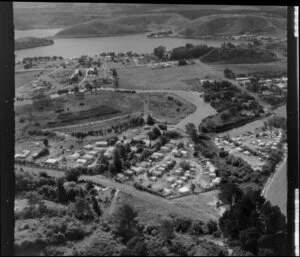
(212, 25)
(191, 21)
(239, 55)
(124, 25)
(30, 42)
(233, 24)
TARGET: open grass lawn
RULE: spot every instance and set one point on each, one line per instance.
(176, 77)
(194, 207)
(22, 78)
(168, 108)
(249, 68)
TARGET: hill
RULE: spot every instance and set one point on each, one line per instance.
(239, 55)
(124, 25)
(30, 42)
(233, 24)
(96, 28)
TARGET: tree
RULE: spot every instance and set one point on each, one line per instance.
(212, 226)
(167, 229)
(45, 142)
(89, 185)
(114, 73)
(229, 74)
(124, 222)
(82, 209)
(229, 193)
(182, 62)
(248, 239)
(156, 132)
(159, 52)
(150, 120)
(191, 130)
(72, 175)
(96, 206)
(117, 162)
(136, 246)
(61, 191)
(225, 116)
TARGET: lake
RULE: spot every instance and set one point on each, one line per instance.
(71, 47)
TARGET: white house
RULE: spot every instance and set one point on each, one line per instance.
(101, 144)
(184, 190)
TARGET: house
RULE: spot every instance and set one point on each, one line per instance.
(101, 144)
(216, 181)
(184, 153)
(157, 173)
(128, 172)
(242, 79)
(179, 182)
(167, 191)
(137, 170)
(51, 161)
(171, 179)
(88, 147)
(74, 155)
(109, 152)
(81, 161)
(87, 157)
(93, 153)
(184, 190)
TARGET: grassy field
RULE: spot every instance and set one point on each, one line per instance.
(175, 77)
(22, 78)
(168, 108)
(194, 207)
(249, 68)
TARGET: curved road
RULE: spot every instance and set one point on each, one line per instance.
(275, 190)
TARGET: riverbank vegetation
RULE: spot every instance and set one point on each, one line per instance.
(235, 107)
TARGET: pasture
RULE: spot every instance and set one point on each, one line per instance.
(175, 77)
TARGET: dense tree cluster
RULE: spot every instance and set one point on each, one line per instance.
(189, 51)
(229, 74)
(253, 222)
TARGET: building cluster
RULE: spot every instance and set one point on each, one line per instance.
(244, 146)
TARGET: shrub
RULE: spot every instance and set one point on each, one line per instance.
(182, 224)
(212, 226)
(72, 175)
(162, 126)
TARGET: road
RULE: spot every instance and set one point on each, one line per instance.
(177, 206)
(275, 189)
(86, 74)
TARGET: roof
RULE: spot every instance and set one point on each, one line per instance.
(81, 161)
(184, 189)
(87, 156)
(101, 143)
(88, 146)
(51, 161)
